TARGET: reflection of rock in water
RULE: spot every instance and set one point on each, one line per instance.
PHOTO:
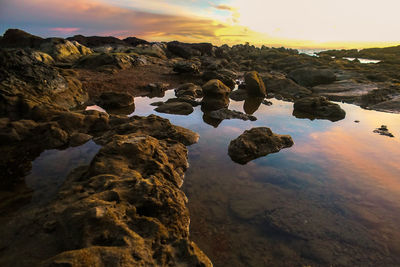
(122, 111)
(251, 104)
(256, 143)
(211, 121)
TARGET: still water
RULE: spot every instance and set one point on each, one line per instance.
(331, 199)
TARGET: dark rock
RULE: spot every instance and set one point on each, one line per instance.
(216, 95)
(115, 100)
(239, 95)
(78, 139)
(186, 67)
(226, 76)
(15, 38)
(189, 89)
(159, 103)
(96, 41)
(187, 51)
(156, 89)
(187, 99)
(227, 114)
(133, 41)
(279, 84)
(310, 77)
(383, 130)
(179, 108)
(255, 143)
(318, 108)
(254, 84)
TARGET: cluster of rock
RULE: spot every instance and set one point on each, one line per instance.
(383, 130)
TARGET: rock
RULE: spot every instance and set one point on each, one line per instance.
(43, 57)
(186, 67)
(15, 38)
(254, 84)
(266, 102)
(318, 108)
(226, 76)
(158, 103)
(97, 41)
(383, 130)
(78, 139)
(63, 50)
(279, 84)
(120, 61)
(187, 51)
(189, 89)
(216, 95)
(239, 95)
(227, 114)
(179, 108)
(255, 143)
(187, 99)
(115, 100)
(310, 77)
(29, 84)
(133, 41)
(156, 89)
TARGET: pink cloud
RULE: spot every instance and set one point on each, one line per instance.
(64, 30)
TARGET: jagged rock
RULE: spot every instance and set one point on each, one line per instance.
(186, 67)
(278, 83)
(255, 143)
(216, 95)
(134, 41)
(254, 84)
(318, 108)
(189, 89)
(187, 51)
(179, 108)
(311, 76)
(227, 114)
(115, 100)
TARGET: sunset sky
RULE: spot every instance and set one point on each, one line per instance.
(290, 23)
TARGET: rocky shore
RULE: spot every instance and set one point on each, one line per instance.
(126, 208)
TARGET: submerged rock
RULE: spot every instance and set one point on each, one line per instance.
(216, 95)
(383, 130)
(254, 84)
(318, 108)
(179, 108)
(257, 142)
(227, 114)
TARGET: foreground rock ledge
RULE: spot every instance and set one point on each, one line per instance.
(124, 209)
(257, 142)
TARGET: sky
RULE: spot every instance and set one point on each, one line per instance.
(289, 23)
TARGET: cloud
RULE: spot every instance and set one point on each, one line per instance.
(233, 10)
(64, 30)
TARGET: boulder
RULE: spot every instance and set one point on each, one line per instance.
(254, 84)
(115, 100)
(310, 77)
(120, 61)
(216, 95)
(156, 89)
(189, 89)
(318, 108)
(277, 83)
(179, 108)
(186, 67)
(187, 51)
(257, 142)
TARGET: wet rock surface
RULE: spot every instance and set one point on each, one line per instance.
(254, 84)
(257, 142)
(318, 108)
(216, 95)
